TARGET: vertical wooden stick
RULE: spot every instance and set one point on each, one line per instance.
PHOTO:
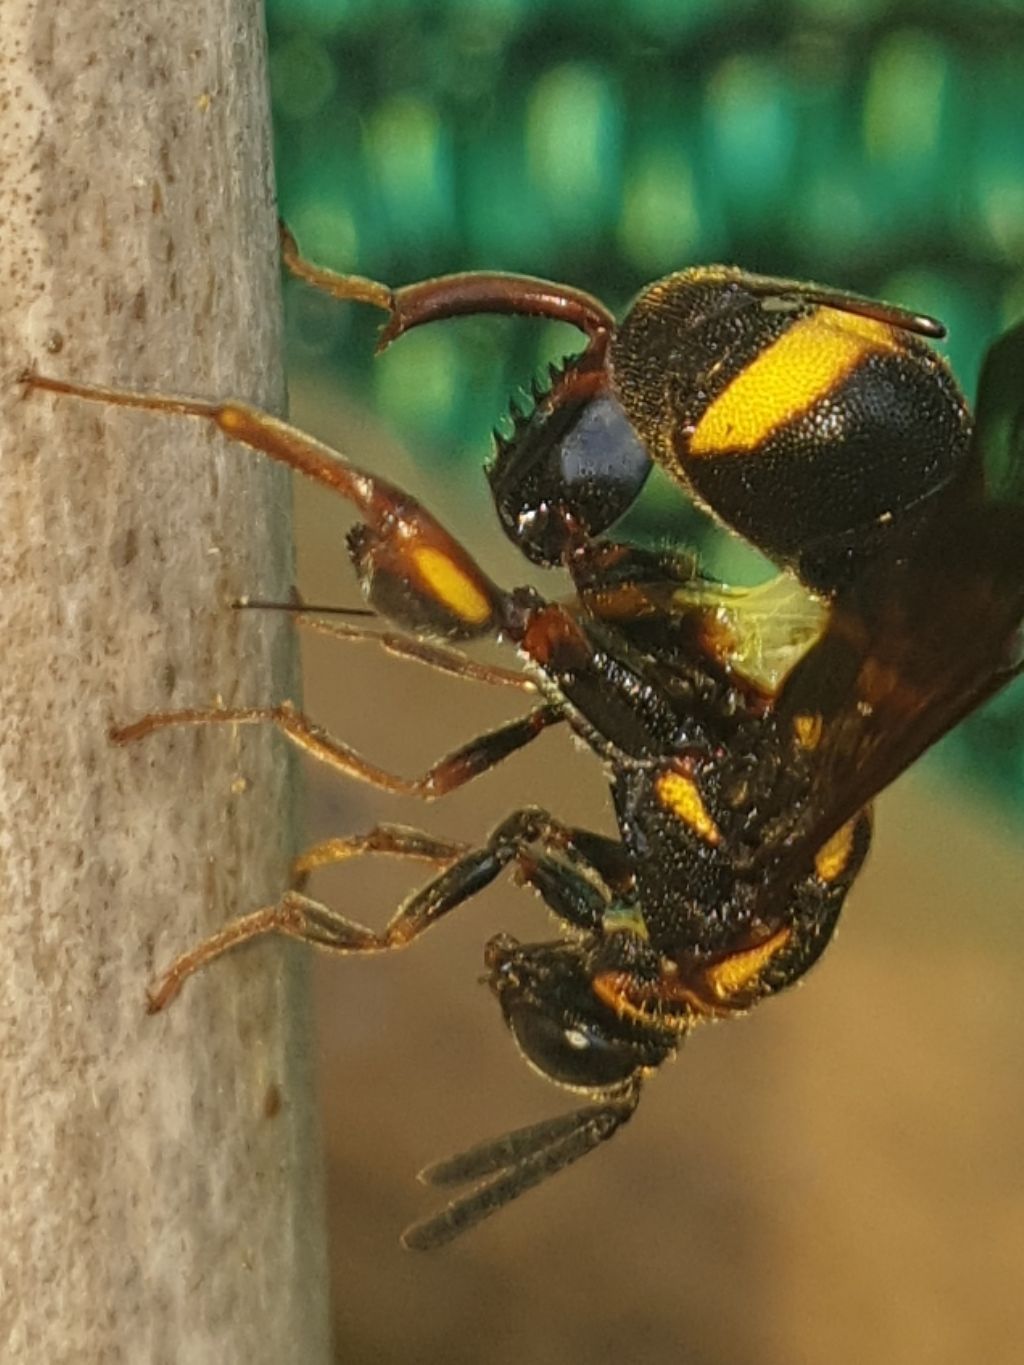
(160, 1180)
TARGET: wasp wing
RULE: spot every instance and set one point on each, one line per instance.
(928, 632)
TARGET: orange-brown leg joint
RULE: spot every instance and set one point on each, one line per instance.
(408, 541)
(554, 640)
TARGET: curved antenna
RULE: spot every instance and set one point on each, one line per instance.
(460, 295)
(299, 608)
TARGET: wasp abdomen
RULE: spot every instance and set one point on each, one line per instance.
(811, 429)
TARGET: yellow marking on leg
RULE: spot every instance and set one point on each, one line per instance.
(738, 970)
(451, 585)
(831, 859)
(788, 378)
(681, 795)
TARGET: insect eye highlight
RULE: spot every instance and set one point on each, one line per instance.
(575, 1054)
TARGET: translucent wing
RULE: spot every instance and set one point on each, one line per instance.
(927, 633)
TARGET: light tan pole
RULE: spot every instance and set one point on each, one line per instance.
(159, 1178)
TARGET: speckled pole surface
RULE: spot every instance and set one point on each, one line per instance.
(159, 1178)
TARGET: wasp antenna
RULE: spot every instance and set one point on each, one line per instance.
(558, 1143)
(498, 1154)
(303, 608)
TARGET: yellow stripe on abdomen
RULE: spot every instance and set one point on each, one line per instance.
(787, 379)
(733, 973)
(832, 858)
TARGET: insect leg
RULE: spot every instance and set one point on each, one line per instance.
(469, 761)
(394, 839)
(467, 873)
(509, 843)
(420, 651)
(578, 892)
(402, 553)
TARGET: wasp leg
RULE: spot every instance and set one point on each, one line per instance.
(474, 870)
(403, 554)
(577, 894)
(516, 1162)
(409, 647)
(472, 759)
(457, 296)
(394, 839)
(298, 916)
(575, 890)
(291, 915)
(355, 288)
(605, 857)
(420, 651)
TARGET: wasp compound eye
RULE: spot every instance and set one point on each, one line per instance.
(570, 1052)
(572, 467)
(559, 1024)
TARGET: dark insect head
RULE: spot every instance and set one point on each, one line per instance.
(571, 467)
(559, 1024)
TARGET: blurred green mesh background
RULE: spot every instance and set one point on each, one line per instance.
(875, 146)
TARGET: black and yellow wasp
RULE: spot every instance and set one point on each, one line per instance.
(744, 733)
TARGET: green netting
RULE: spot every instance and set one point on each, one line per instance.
(872, 145)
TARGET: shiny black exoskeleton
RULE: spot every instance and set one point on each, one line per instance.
(744, 732)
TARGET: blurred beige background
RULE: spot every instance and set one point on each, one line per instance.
(838, 1178)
